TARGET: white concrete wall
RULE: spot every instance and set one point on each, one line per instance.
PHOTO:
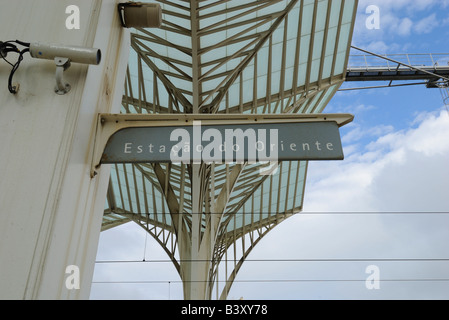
(50, 208)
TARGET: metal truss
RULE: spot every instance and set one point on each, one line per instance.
(224, 57)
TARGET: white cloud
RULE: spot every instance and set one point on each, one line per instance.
(378, 47)
(404, 27)
(407, 6)
(358, 132)
(401, 18)
(427, 24)
(427, 142)
(347, 214)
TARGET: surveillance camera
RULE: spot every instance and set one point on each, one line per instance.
(62, 55)
(140, 15)
(73, 53)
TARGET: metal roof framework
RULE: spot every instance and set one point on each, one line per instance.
(225, 57)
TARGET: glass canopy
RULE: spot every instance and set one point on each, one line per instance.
(222, 57)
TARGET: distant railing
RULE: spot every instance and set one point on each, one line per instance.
(389, 67)
(427, 60)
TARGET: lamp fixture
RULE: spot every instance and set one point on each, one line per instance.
(140, 15)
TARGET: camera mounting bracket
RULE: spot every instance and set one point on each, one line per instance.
(62, 64)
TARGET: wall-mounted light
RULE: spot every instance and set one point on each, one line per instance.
(140, 15)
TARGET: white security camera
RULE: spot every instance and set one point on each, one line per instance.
(73, 53)
(63, 55)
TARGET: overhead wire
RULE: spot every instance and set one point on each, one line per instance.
(291, 260)
(440, 279)
(286, 260)
(272, 280)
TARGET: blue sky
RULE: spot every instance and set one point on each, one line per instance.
(406, 27)
(391, 192)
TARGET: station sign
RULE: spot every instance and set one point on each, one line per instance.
(219, 139)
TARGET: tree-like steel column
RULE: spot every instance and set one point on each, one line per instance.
(227, 57)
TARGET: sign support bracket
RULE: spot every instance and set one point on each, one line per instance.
(110, 124)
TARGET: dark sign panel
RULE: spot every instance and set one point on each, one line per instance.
(226, 143)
